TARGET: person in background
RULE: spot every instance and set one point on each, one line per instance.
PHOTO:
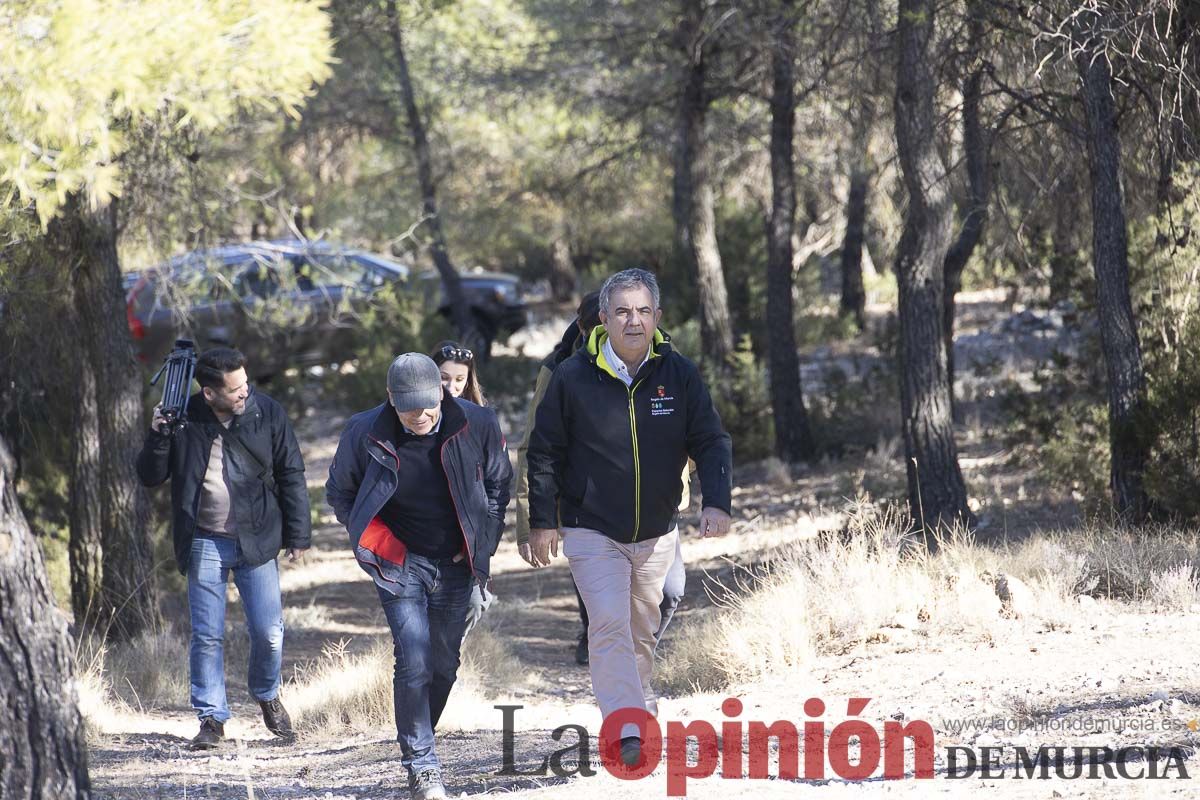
(457, 366)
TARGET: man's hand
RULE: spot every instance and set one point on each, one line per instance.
(481, 600)
(543, 543)
(296, 553)
(713, 522)
(157, 422)
(526, 553)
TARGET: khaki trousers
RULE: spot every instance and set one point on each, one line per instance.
(622, 587)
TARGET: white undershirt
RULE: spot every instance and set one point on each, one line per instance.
(619, 366)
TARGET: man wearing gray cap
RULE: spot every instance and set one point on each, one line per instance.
(421, 483)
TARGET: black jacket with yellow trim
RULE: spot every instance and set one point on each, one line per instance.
(608, 456)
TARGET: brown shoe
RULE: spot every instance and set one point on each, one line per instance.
(276, 718)
(210, 736)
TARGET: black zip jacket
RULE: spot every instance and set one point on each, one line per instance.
(609, 457)
(265, 522)
(363, 477)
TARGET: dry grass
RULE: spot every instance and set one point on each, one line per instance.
(343, 692)
(1125, 561)
(870, 584)
(1176, 588)
(145, 673)
(310, 617)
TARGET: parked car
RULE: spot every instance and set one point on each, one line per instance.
(294, 303)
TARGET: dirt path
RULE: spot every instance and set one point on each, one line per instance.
(1107, 678)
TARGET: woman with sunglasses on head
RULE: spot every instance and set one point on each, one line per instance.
(457, 365)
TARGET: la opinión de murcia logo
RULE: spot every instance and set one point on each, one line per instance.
(853, 750)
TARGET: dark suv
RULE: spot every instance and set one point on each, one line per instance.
(293, 303)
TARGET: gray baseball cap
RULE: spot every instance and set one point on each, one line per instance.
(414, 382)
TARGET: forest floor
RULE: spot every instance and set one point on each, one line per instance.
(1106, 674)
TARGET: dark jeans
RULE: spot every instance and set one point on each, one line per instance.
(427, 619)
(673, 589)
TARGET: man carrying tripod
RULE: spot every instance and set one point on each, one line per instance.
(238, 496)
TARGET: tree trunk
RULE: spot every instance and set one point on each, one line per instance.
(854, 296)
(853, 301)
(937, 495)
(108, 503)
(694, 204)
(459, 310)
(793, 436)
(1118, 328)
(979, 179)
(42, 749)
(562, 268)
(85, 546)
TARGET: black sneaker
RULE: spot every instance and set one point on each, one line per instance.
(426, 784)
(210, 735)
(581, 650)
(276, 718)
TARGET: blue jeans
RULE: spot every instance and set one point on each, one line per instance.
(427, 619)
(213, 558)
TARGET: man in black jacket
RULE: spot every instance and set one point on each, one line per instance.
(618, 422)
(421, 483)
(587, 318)
(238, 496)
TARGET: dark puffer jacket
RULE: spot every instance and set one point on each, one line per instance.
(265, 521)
(364, 475)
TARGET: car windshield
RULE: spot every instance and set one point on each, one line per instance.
(393, 268)
(340, 270)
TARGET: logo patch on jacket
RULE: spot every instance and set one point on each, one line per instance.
(662, 404)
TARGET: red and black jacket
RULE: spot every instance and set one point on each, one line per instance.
(364, 475)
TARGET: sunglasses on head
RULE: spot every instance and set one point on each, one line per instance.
(452, 353)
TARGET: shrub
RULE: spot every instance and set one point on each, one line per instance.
(1063, 424)
(1176, 588)
(821, 325)
(743, 399)
(851, 414)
